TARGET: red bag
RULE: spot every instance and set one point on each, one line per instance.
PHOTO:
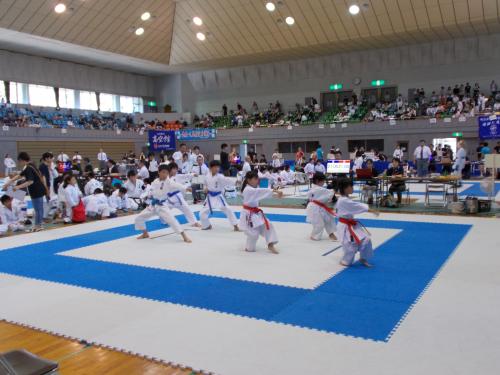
(79, 213)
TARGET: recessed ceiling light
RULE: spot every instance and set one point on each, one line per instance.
(290, 20)
(139, 31)
(270, 7)
(145, 16)
(354, 9)
(60, 8)
(197, 21)
(201, 36)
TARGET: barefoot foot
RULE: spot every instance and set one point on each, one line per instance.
(196, 225)
(186, 238)
(272, 249)
(207, 228)
(333, 237)
(236, 228)
(143, 236)
(344, 264)
(365, 263)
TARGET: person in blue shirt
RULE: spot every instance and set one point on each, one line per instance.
(319, 153)
(486, 149)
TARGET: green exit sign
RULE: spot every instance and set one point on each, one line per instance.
(152, 104)
(245, 142)
(336, 86)
(457, 134)
(378, 82)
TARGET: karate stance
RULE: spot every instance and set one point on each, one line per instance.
(215, 184)
(319, 214)
(159, 206)
(252, 218)
(176, 197)
(353, 236)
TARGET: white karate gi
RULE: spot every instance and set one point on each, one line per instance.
(460, 162)
(118, 202)
(320, 218)
(11, 219)
(72, 195)
(134, 190)
(175, 199)
(246, 168)
(97, 204)
(91, 185)
(254, 223)
(320, 168)
(159, 194)
(215, 199)
(143, 173)
(347, 208)
(10, 165)
(309, 169)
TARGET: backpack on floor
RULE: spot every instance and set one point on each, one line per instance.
(79, 213)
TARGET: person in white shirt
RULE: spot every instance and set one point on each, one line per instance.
(215, 184)
(64, 158)
(159, 207)
(177, 155)
(398, 153)
(309, 168)
(319, 214)
(143, 171)
(352, 235)
(77, 158)
(358, 161)
(97, 204)
(252, 219)
(153, 167)
(134, 185)
(72, 196)
(246, 166)
(186, 164)
(319, 167)
(176, 199)
(421, 157)
(460, 159)
(102, 158)
(276, 162)
(91, 184)
(199, 171)
(119, 200)
(9, 164)
(11, 216)
(195, 154)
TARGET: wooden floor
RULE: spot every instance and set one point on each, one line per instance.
(77, 358)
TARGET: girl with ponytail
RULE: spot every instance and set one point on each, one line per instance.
(253, 221)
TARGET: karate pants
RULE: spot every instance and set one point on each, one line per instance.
(350, 248)
(205, 211)
(163, 212)
(253, 235)
(321, 225)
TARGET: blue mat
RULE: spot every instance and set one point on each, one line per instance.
(366, 303)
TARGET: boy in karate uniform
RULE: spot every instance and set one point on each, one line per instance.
(319, 214)
(353, 236)
(92, 184)
(119, 200)
(11, 217)
(176, 199)
(97, 204)
(215, 184)
(158, 206)
(252, 218)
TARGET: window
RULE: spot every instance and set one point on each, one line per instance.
(367, 144)
(291, 147)
(3, 96)
(18, 93)
(126, 104)
(138, 105)
(107, 102)
(88, 100)
(43, 96)
(67, 98)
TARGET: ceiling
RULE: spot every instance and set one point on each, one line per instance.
(243, 32)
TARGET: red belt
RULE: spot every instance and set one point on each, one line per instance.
(325, 207)
(257, 210)
(351, 223)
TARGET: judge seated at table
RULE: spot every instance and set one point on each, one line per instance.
(371, 184)
(396, 171)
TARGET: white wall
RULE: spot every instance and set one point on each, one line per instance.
(23, 68)
(176, 90)
(429, 65)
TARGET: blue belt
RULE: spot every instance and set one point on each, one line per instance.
(214, 194)
(172, 194)
(157, 202)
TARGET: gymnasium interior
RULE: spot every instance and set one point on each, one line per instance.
(376, 121)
